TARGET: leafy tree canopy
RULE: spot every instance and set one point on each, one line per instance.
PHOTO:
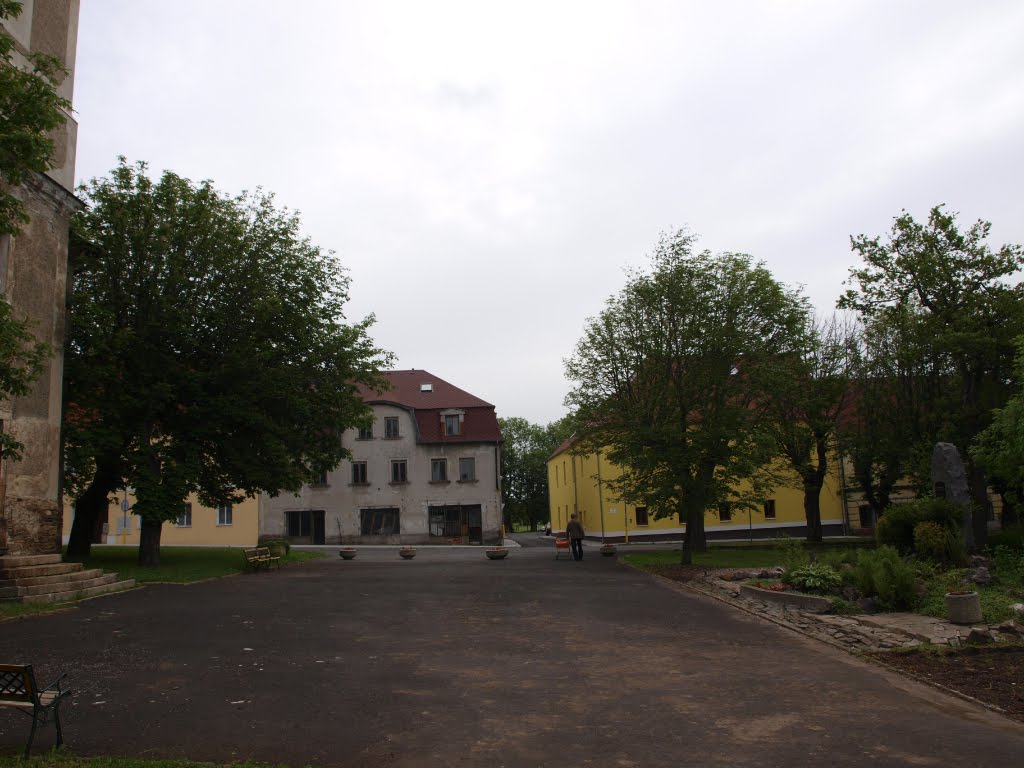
(30, 108)
(671, 380)
(524, 474)
(208, 350)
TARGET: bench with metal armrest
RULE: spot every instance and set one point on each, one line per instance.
(18, 689)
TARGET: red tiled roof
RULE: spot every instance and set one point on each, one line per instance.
(480, 423)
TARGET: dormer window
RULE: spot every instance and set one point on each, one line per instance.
(452, 425)
(427, 387)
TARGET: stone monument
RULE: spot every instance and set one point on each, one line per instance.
(949, 481)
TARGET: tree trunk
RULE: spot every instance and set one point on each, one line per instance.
(149, 542)
(812, 510)
(90, 510)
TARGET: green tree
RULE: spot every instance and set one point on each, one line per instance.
(30, 108)
(524, 473)
(671, 381)
(806, 403)
(207, 351)
(953, 293)
(999, 448)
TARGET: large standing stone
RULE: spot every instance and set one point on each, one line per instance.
(949, 481)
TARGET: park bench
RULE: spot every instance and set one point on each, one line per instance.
(260, 557)
(18, 689)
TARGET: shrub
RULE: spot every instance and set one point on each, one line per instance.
(814, 577)
(1008, 562)
(794, 555)
(1012, 537)
(939, 544)
(896, 526)
(884, 574)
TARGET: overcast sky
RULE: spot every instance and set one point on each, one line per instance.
(486, 171)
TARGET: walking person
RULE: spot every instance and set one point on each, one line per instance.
(576, 534)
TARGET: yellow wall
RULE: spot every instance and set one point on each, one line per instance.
(124, 527)
(573, 487)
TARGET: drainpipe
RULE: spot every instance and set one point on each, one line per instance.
(600, 494)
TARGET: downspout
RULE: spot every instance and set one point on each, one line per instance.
(600, 494)
(842, 493)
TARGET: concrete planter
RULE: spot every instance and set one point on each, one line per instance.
(963, 607)
(348, 553)
(407, 553)
(496, 553)
(608, 550)
(809, 603)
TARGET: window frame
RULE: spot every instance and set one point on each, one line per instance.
(225, 515)
(184, 518)
(389, 422)
(725, 512)
(395, 465)
(360, 473)
(434, 475)
(471, 461)
(364, 433)
(769, 506)
(378, 515)
(642, 513)
(452, 425)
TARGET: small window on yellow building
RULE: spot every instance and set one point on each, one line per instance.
(224, 515)
(185, 518)
(769, 509)
(641, 516)
(725, 512)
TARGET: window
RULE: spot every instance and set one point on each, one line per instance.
(439, 470)
(359, 473)
(379, 522)
(399, 471)
(319, 479)
(641, 516)
(365, 433)
(725, 512)
(451, 424)
(391, 427)
(769, 509)
(185, 517)
(867, 516)
(224, 515)
(467, 470)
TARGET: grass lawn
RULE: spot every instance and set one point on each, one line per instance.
(730, 557)
(178, 565)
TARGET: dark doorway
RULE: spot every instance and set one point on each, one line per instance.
(306, 526)
(459, 523)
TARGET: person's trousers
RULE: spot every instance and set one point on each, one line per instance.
(577, 548)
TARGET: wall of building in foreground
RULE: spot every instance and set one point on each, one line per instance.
(236, 526)
(577, 484)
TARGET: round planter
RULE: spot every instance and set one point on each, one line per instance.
(963, 607)
(347, 554)
(498, 553)
(407, 554)
(608, 550)
(277, 550)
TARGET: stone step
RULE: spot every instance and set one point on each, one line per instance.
(32, 571)
(74, 594)
(68, 586)
(20, 561)
(62, 582)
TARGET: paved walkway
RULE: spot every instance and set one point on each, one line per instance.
(453, 660)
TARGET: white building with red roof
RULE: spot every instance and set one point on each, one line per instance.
(426, 472)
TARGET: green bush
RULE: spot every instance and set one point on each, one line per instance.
(814, 577)
(794, 555)
(938, 544)
(896, 525)
(884, 574)
(1007, 537)
(1008, 562)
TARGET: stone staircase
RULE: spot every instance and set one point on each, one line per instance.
(47, 579)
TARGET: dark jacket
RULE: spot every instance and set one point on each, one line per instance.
(575, 529)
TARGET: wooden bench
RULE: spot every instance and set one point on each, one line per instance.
(258, 558)
(18, 689)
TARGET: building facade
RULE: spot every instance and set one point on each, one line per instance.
(577, 483)
(33, 279)
(425, 472)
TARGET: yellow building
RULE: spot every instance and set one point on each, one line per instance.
(234, 525)
(577, 484)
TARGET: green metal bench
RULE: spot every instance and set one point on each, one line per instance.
(18, 689)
